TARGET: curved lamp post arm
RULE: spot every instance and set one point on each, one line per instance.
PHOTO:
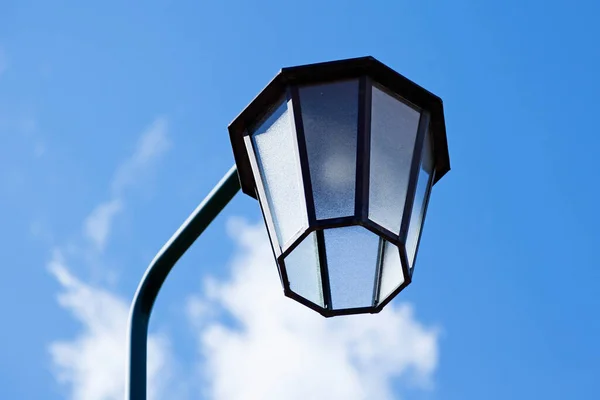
(157, 272)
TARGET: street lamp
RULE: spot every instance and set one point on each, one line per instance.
(342, 157)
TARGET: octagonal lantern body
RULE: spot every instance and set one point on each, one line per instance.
(342, 157)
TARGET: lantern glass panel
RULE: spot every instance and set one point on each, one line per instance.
(392, 275)
(352, 265)
(303, 271)
(330, 120)
(275, 147)
(393, 132)
(421, 195)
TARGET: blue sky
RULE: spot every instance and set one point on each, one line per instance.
(113, 127)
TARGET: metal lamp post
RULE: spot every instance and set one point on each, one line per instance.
(342, 157)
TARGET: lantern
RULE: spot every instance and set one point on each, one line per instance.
(342, 157)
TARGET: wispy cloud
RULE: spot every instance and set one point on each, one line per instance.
(97, 224)
(281, 350)
(153, 142)
(93, 363)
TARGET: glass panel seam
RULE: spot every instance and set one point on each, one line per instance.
(414, 174)
(378, 272)
(324, 269)
(363, 151)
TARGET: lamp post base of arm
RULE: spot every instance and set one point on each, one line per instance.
(157, 273)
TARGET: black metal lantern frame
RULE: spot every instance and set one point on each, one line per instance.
(369, 73)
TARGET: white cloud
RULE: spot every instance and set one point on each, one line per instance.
(97, 225)
(153, 142)
(93, 363)
(282, 350)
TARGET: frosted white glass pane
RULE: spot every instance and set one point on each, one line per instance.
(393, 133)
(421, 195)
(352, 264)
(275, 147)
(391, 270)
(330, 119)
(304, 274)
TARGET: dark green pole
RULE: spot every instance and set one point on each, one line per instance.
(157, 272)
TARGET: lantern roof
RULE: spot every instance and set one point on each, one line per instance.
(330, 72)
